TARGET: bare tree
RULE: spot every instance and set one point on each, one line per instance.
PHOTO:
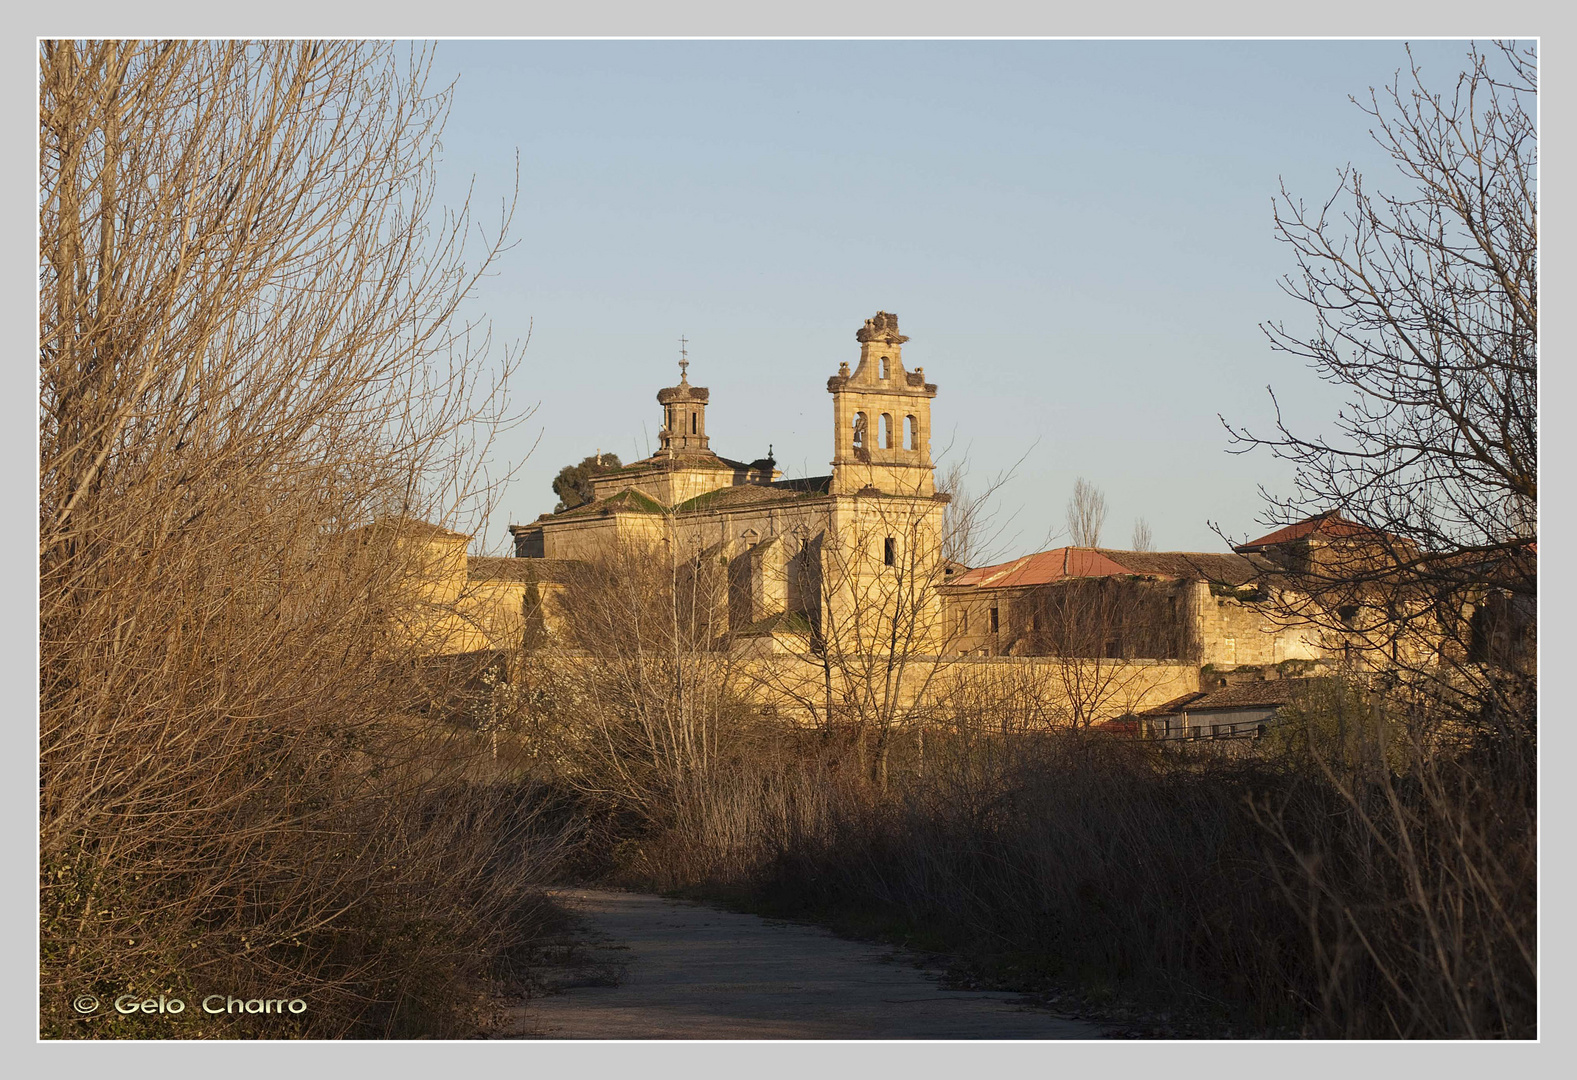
(645, 699)
(1426, 309)
(249, 353)
(1142, 540)
(1086, 514)
(972, 533)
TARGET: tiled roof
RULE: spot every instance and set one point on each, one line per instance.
(759, 463)
(1222, 567)
(741, 495)
(1173, 707)
(1239, 696)
(1040, 568)
(684, 460)
(1071, 562)
(1272, 692)
(628, 501)
(1327, 526)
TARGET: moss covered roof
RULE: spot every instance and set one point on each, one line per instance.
(628, 501)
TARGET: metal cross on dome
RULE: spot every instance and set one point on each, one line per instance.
(684, 357)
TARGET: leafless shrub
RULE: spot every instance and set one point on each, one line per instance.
(645, 709)
(249, 356)
(1418, 885)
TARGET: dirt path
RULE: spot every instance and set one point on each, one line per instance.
(662, 969)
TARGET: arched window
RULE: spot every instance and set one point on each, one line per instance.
(884, 367)
(859, 429)
(913, 427)
(887, 431)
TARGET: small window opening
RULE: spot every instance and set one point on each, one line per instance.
(692, 423)
(994, 622)
(884, 367)
(859, 429)
(913, 431)
(887, 432)
(889, 552)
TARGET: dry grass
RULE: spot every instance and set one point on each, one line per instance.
(1369, 871)
(1274, 896)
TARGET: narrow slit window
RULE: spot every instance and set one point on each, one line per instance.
(993, 620)
(692, 423)
(889, 552)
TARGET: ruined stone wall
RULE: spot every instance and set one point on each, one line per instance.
(1234, 631)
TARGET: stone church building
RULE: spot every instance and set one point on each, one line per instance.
(855, 563)
(804, 554)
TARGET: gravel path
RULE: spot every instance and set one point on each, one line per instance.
(661, 969)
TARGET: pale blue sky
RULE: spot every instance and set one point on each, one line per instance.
(1076, 236)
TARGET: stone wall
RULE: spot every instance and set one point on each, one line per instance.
(1233, 631)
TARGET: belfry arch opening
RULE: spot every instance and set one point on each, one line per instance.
(911, 433)
(887, 432)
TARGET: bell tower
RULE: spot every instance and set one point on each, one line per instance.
(684, 414)
(881, 417)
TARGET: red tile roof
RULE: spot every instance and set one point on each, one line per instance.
(1329, 525)
(1071, 562)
